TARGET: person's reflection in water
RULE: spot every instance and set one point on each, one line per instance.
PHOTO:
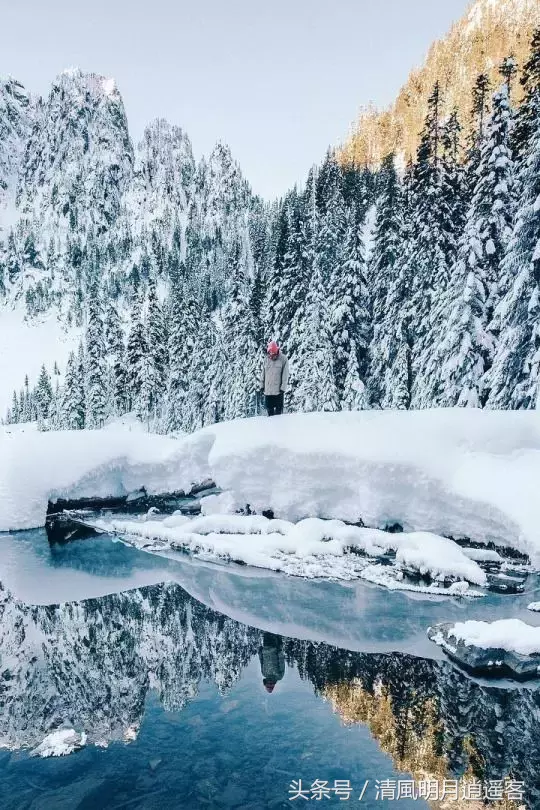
(272, 660)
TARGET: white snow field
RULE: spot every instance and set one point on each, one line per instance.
(457, 472)
(512, 635)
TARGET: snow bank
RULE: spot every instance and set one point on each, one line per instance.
(460, 472)
(512, 635)
(38, 467)
(60, 743)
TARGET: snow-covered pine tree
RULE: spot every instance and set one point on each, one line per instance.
(73, 400)
(141, 380)
(454, 186)
(455, 365)
(256, 302)
(432, 246)
(183, 310)
(13, 263)
(25, 402)
(216, 381)
(480, 109)
(42, 398)
(312, 367)
(275, 278)
(497, 188)
(513, 380)
(330, 222)
(388, 244)
(508, 70)
(146, 404)
(14, 413)
(429, 213)
(240, 336)
(194, 402)
(301, 259)
(157, 340)
(391, 374)
(55, 419)
(95, 385)
(135, 349)
(116, 360)
(350, 317)
(290, 289)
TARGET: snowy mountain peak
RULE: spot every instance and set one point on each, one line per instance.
(92, 82)
(79, 156)
(511, 9)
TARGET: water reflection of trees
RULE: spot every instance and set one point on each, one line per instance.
(435, 722)
(91, 664)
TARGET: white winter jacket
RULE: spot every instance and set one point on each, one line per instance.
(275, 375)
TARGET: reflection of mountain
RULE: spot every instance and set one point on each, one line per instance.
(91, 665)
(434, 721)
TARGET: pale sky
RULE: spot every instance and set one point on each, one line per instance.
(278, 81)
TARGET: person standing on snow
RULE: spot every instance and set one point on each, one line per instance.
(274, 378)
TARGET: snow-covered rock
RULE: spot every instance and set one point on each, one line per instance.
(502, 646)
(310, 548)
(60, 743)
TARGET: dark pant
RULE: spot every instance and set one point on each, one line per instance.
(274, 404)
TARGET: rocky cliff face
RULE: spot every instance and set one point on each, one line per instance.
(490, 31)
(16, 117)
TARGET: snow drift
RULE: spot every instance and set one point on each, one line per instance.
(311, 548)
(457, 472)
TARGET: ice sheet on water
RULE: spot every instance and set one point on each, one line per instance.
(357, 614)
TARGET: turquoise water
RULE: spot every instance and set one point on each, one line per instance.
(242, 750)
(222, 708)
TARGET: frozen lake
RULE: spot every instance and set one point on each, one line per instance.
(161, 662)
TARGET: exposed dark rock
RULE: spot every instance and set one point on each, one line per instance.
(506, 582)
(204, 486)
(66, 518)
(393, 528)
